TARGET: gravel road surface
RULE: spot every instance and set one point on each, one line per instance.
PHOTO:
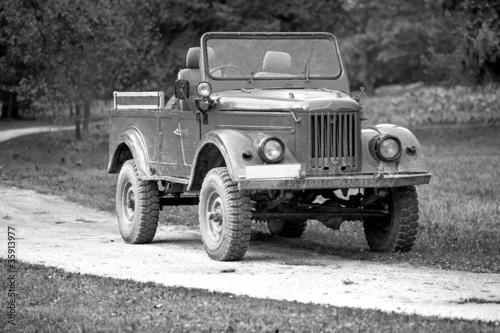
(52, 231)
(14, 133)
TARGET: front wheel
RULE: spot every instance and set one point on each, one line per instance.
(137, 205)
(398, 231)
(225, 217)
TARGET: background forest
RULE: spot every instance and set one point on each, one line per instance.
(67, 54)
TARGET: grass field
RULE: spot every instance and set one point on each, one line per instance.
(51, 300)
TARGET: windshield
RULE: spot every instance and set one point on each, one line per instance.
(277, 57)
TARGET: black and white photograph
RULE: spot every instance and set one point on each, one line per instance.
(250, 166)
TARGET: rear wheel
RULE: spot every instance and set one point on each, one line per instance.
(225, 217)
(137, 205)
(287, 228)
(398, 231)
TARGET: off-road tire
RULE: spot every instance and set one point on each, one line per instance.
(287, 228)
(225, 217)
(137, 205)
(397, 232)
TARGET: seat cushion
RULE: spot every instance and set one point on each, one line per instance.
(277, 62)
(193, 57)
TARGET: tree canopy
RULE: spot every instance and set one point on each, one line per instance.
(78, 51)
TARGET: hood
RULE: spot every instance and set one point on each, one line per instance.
(299, 100)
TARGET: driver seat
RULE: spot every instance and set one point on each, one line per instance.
(276, 64)
(192, 74)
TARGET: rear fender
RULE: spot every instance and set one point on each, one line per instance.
(131, 141)
(225, 148)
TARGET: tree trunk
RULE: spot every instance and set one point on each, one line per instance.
(369, 87)
(78, 121)
(365, 75)
(86, 119)
(10, 108)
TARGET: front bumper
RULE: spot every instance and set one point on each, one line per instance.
(335, 182)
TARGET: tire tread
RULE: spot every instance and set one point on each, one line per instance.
(403, 236)
(147, 208)
(238, 228)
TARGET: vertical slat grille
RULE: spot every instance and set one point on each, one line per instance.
(335, 140)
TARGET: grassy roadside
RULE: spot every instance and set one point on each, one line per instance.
(51, 300)
(459, 210)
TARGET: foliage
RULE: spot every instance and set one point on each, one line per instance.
(385, 41)
(476, 27)
(73, 52)
(76, 51)
(421, 105)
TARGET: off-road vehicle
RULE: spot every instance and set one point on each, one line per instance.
(262, 127)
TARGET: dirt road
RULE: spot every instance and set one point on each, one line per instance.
(14, 133)
(54, 232)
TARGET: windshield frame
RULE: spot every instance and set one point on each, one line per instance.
(278, 36)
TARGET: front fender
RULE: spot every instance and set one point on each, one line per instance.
(231, 144)
(407, 163)
(132, 139)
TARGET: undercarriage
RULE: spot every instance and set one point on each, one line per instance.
(330, 207)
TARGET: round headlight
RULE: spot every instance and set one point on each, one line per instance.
(204, 89)
(272, 150)
(388, 148)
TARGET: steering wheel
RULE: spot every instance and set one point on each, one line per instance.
(221, 67)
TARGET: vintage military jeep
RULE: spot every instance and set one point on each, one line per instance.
(262, 127)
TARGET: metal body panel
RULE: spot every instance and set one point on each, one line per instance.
(284, 100)
(231, 144)
(352, 181)
(278, 124)
(128, 128)
(251, 128)
(189, 129)
(169, 141)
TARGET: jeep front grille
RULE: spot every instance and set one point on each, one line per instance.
(335, 142)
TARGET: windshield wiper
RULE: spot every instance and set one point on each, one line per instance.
(306, 70)
(257, 64)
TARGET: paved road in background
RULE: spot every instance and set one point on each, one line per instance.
(14, 133)
(58, 233)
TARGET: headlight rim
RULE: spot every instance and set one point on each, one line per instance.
(209, 88)
(262, 144)
(378, 143)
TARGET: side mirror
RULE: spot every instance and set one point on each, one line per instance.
(182, 89)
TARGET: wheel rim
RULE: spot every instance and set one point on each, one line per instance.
(215, 217)
(128, 203)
